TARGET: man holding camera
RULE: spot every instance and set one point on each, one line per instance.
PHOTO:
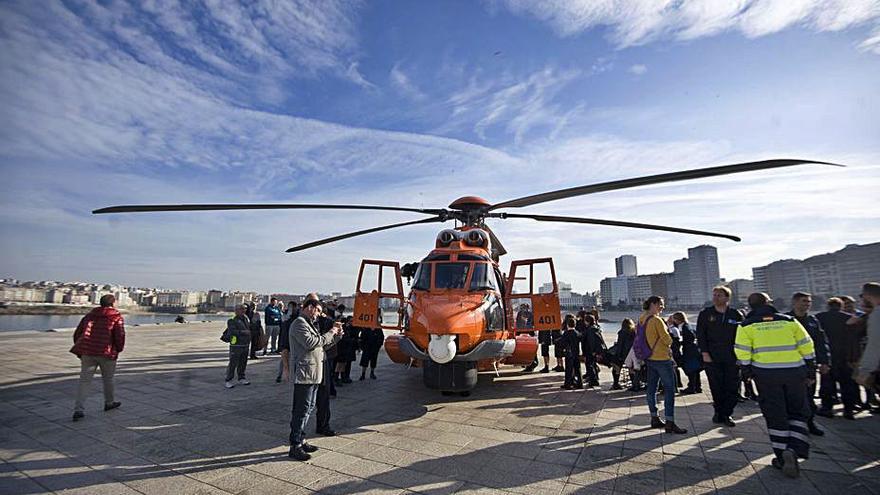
(307, 360)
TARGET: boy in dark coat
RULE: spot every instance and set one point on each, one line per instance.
(593, 344)
(370, 343)
(348, 348)
(569, 343)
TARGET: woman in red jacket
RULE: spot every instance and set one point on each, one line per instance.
(97, 341)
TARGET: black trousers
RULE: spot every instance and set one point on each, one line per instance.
(782, 396)
(369, 358)
(591, 369)
(724, 383)
(811, 404)
(573, 371)
(694, 380)
(322, 400)
(840, 374)
(255, 337)
(303, 405)
(237, 362)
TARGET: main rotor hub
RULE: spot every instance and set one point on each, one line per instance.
(470, 210)
(468, 203)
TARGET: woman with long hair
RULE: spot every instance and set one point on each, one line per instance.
(660, 365)
(625, 337)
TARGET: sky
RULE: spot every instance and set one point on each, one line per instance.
(416, 104)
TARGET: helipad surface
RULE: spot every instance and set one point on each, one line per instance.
(180, 431)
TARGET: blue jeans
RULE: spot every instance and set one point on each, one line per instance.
(303, 405)
(661, 371)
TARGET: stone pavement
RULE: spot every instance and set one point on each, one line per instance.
(180, 431)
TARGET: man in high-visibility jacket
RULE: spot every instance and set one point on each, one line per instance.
(778, 352)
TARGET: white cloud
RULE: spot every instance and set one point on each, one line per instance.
(872, 44)
(637, 69)
(404, 84)
(356, 77)
(106, 114)
(514, 105)
(640, 22)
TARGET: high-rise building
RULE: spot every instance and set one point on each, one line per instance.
(740, 288)
(638, 289)
(825, 275)
(625, 266)
(695, 276)
(614, 291)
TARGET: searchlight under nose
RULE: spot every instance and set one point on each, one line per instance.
(441, 348)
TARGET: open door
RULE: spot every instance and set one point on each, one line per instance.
(532, 296)
(379, 287)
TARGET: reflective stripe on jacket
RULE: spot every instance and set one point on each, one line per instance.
(769, 339)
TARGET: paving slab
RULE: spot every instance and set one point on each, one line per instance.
(180, 431)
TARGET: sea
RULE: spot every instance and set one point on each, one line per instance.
(43, 323)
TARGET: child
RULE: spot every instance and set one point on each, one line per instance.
(569, 343)
(371, 340)
(593, 344)
(619, 351)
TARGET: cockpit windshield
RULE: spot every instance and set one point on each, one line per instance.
(451, 275)
(423, 277)
(483, 278)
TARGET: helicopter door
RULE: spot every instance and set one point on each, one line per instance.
(522, 288)
(378, 287)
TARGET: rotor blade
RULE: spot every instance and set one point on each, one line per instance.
(617, 223)
(653, 179)
(216, 207)
(360, 232)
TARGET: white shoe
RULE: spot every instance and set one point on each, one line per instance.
(229, 385)
(243, 381)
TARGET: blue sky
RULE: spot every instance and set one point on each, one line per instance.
(416, 104)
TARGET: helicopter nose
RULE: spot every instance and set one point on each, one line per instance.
(441, 348)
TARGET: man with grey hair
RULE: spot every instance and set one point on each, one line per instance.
(307, 363)
(238, 334)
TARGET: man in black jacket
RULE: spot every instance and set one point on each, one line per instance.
(327, 388)
(801, 302)
(845, 349)
(716, 333)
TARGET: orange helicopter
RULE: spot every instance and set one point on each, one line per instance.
(460, 316)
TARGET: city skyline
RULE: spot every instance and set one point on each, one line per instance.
(804, 279)
(416, 104)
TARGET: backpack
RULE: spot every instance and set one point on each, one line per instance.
(640, 347)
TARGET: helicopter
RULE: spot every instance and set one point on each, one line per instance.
(460, 316)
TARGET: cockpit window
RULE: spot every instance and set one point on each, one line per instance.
(483, 278)
(472, 257)
(423, 277)
(437, 257)
(451, 275)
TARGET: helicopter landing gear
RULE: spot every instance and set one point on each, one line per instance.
(450, 393)
(454, 376)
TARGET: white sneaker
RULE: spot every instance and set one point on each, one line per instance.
(243, 381)
(229, 385)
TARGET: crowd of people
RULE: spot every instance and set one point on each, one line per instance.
(780, 353)
(787, 356)
(317, 345)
